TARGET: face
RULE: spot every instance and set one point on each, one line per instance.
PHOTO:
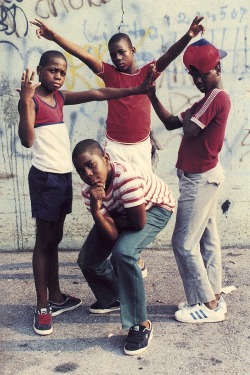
(52, 75)
(93, 168)
(207, 81)
(122, 56)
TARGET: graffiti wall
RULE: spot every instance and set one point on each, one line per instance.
(153, 26)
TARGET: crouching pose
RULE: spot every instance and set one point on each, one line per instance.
(129, 206)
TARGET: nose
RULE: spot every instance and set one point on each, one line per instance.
(88, 172)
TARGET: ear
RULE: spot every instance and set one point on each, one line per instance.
(107, 158)
(39, 70)
(133, 50)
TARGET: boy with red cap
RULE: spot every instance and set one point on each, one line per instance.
(195, 239)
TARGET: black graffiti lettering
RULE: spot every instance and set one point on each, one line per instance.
(98, 3)
(10, 17)
(76, 4)
(45, 8)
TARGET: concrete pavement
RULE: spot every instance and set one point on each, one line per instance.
(93, 345)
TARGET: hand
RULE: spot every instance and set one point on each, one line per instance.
(44, 30)
(188, 115)
(97, 193)
(195, 28)
(149, 80)
(28, 87)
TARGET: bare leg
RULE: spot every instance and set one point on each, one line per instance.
(45, 260)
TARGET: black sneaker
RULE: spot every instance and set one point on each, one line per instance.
(43, 322)
(138, 339)
(70, 303)
(96, 309)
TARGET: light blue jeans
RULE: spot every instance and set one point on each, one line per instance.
(121, 278)
(195, 239)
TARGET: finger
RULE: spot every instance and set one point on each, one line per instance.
(199, 19)
(32, 75)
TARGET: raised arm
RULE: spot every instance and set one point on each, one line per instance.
(46, 32)
(109, 93)
(26, 107)
(179, 46)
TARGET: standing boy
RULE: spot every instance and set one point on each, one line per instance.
(129, 206)
(195, 239)
(41, 126)
(128, 120)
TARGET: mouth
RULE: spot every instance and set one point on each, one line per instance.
(56, 84)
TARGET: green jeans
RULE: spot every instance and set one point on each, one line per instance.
(119, 276)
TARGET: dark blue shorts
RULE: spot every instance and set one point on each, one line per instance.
(50, 194)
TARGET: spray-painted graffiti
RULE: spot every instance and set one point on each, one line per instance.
(47, 8)
(224, 12)
(13, 19)
(152, 38)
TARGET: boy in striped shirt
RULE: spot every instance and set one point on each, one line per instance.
(129, 206)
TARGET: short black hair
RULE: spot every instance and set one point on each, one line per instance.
(87, 145)
(119, 36)
(46, 56)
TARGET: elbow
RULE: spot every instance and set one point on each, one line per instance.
(26, 144)
(139, 226)
(168, 125)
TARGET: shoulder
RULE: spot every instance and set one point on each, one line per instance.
(106, 68)
(125, 173)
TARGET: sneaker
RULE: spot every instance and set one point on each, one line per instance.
(143, 268)
(221, 301)
(43, 321)
(138, 339)
(70, 303)
(199, 314)
(96, 309)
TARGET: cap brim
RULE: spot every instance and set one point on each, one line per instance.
(222, 53)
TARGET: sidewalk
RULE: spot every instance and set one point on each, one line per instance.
(85, 344)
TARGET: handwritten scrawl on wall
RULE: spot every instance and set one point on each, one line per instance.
(91, 23)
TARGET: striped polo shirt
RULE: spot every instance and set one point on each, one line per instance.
(132, 186)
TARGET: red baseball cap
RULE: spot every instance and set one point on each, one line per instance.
(203, 56)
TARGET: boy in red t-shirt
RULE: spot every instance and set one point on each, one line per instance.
(128, 121)
(195, 239)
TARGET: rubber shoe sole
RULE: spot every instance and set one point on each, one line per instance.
(96, 309)
(140, 350)
(42, 324)
(199, 314)
(70, 303)
(221, 301)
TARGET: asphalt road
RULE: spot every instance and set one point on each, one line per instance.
(93, 345)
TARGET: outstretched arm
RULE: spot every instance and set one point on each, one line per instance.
(26, 107)
(46, 32)
(109, 93)
(179, 46)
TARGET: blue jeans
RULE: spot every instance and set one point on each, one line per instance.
(195, 239)
(120, 277)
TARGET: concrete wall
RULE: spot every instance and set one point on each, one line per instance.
(153, 26)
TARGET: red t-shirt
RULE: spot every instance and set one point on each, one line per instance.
(200, 154)
(128, 119)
